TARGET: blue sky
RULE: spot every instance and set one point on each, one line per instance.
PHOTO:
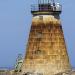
(15, 22)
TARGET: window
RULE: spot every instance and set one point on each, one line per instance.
(39, 34)
(38, 52)
(41, 17)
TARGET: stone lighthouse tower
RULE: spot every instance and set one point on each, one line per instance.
(46, 52)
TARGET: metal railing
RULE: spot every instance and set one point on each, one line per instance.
(49, 7)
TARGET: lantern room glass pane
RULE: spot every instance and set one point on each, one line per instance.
(44, 1)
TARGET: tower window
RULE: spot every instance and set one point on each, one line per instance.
(39, 34)
(37, 51)
(41, 17)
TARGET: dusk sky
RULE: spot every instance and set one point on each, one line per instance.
(15, 22)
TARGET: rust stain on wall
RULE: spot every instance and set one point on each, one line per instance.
(46, 52)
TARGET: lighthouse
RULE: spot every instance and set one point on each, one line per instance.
(46, 52)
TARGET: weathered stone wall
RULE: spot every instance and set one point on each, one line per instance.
(46, 52)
